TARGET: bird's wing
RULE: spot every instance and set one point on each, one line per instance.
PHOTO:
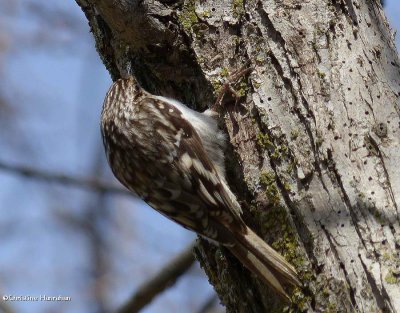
(193, 193)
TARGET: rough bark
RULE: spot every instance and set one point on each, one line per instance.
(315, 142)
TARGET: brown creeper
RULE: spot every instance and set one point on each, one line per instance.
(173, 158)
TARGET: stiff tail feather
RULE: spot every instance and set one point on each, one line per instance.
(265, 262)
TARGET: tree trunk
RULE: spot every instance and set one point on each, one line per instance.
(314, 144)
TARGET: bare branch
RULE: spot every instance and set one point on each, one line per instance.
(87, 183)
(5, 307)
(165, 278)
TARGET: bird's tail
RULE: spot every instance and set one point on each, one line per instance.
(265, 262)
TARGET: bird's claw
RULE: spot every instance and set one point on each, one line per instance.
(231, 80)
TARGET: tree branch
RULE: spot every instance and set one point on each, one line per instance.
(165, 278)
(92, 184)
(6, 308)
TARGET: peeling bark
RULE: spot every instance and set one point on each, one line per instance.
(315, 142)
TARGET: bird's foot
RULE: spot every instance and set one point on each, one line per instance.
(230, 81)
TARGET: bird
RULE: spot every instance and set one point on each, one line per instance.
(172, 157)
